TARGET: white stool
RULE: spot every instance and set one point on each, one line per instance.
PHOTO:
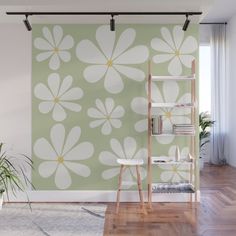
(124, 163)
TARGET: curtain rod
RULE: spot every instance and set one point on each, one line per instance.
(103, 13)
(213, 23)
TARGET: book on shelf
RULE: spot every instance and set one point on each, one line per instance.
(157, 125)
(183, 129)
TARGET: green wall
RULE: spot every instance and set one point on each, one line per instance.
(89, 101)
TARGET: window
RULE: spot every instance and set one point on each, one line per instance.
(205, 78)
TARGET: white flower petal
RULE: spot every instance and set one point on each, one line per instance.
(95, 72)
(175, 66)
(42, 92)
(54, 62)
(128, 178)
(125, 40)
(160, 58)
(64, 56)
(165, 140)
(109, 104)
(141, 154)
(140, 105)
(156, 93)
(45, 107)
(101, 106)
(166, 176)
(170, 91)
(129, 147)
(108, 158)
(118, 112)
(184, 152)
(72, 94)
(43, 56)
(106, 128)
(54, 83)
(167, 124)
(189, 45)
(167, 37)
(62, 177)
(172, 150)
(71, 106)
(82, 151)
(47, 168)
(186, 98)
(113, 82)
(180, 120)
(66, 43)
(44, 150)
(65, 85)
(57, 136)
(94, 113)
(106, 39)
(87, 52)
(176, 177)
(141, 125)
(58, 113)
(72, 139)
(57, 34)
(116, 123)
(47, 34)
(42, 44)
(96, 123)
(135, 55)
(184, 175)
(78, 169)
(130, 72)
(110, 173)
(161, 46)
(117, 148)
(178, 34)
(187, 60)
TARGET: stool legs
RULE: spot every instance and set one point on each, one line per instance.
(139, 182)
(119, 189)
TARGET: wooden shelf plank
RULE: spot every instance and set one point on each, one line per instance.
(171, 135)
(178, 105)
(173, 188)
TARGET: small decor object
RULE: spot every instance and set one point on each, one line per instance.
(177, 154)
(160, 124)
(12, 173)
(189, 157)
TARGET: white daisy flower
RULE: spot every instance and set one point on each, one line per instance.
(106, 115)
(54, 46)
(127, 150)
(174, 48)
(61, 155)
(170, 116)
(58, 96)
(110, 61)
(175, 172)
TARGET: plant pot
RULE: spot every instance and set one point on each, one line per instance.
(201, 163)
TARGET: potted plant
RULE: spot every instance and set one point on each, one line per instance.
(12, 173)
(205, 124)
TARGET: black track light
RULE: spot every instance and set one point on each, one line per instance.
(27, 24)
(186, 23)
(112, 23)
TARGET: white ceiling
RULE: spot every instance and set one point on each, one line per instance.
(213, 10)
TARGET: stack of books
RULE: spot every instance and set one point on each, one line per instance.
(187, 129)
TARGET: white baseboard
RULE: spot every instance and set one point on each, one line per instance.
(99, 196)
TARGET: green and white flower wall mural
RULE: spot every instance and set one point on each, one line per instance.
(89, 101)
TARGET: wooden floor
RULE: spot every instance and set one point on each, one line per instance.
(214, 216)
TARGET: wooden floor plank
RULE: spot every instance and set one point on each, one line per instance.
(214, 216)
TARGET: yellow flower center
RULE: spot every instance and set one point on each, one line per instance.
(177, 53)
(56, 50)
(56, 100)
(108, 117)
(168, 114)
(109, 63)
(174, 169)
(60, 160)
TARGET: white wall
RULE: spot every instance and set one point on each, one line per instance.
(15, 87)
(231, 35)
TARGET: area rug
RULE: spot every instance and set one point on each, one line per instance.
(52, 219)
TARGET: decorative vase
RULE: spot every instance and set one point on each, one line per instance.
(177, 154)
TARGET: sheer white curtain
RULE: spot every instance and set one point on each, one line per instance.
(219, 96)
